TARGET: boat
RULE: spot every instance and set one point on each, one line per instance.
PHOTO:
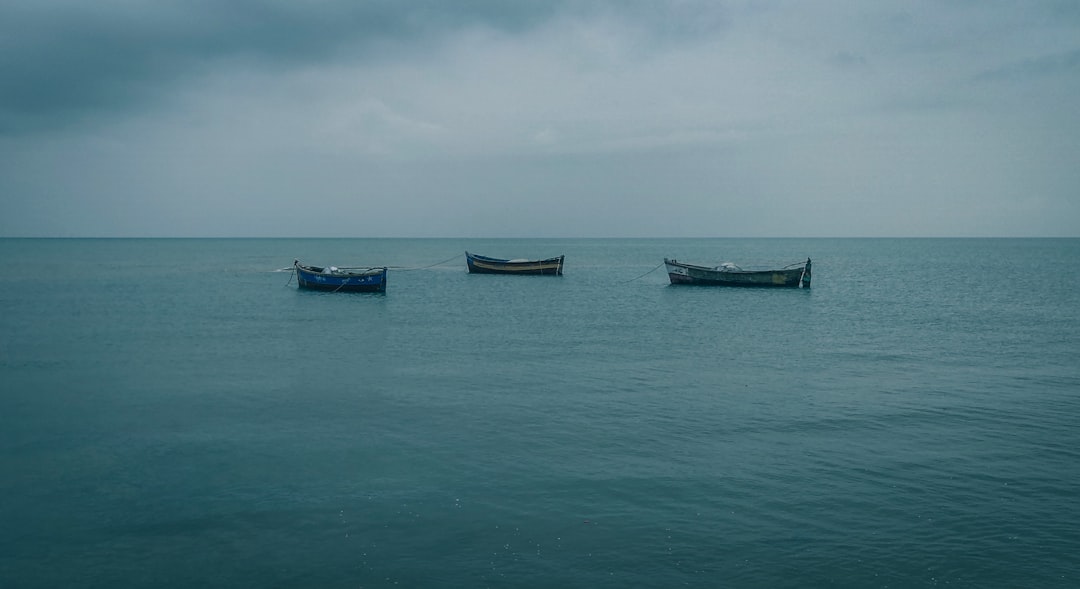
(728, 274)
(485, 265)
(334, 279)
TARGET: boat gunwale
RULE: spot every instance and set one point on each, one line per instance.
(791, 268)
(552, 260)
(370, 271)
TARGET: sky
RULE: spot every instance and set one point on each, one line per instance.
(575, 118)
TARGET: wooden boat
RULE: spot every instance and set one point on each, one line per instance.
(336, 279)
(795, 275)
(485, 265)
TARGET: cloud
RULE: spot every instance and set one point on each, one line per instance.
(66, 59)
(181, 118)
(63, 60)
(1063, 63)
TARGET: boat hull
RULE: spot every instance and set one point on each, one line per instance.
(690, 274)
(485, 265)
(316, 278)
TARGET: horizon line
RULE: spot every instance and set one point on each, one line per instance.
(541, 237)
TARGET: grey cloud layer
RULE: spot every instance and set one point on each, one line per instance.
(740, 117)
(62, 59)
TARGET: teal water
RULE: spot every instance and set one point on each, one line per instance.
(175, 413)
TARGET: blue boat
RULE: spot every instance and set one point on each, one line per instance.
(485, 265)
(334, 279)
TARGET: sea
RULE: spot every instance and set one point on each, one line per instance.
(175, 413)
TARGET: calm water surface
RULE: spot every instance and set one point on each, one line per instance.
(175, 413)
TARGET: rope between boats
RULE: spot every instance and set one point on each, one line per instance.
(645, 274)
(430, 266)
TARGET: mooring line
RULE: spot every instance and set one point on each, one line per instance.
(644, 275)
(430, 266)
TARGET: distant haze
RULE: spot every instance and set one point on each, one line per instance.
(484, 118)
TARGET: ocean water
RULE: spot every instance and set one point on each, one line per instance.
(175, 413)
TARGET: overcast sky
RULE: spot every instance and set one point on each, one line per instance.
(493, 118)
